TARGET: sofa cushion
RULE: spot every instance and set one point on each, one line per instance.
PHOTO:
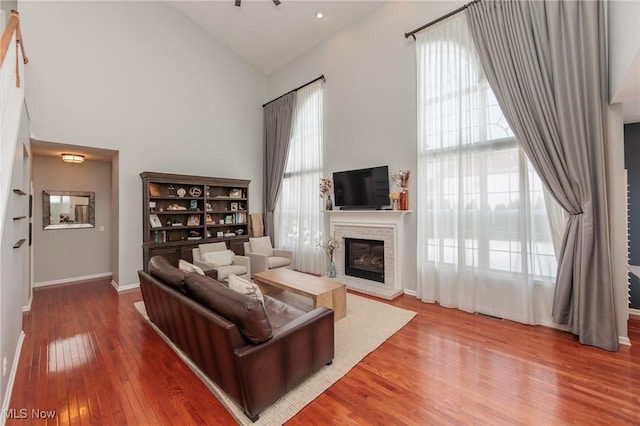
(225, 271)
(218, 258)
(160, 268)
(261, 246)
(245, 287)
(278, 262)
(185, 266)
(246, 313)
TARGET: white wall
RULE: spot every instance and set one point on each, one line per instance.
(142, 79)
(65, 254)
(370, 95)
(624, 39)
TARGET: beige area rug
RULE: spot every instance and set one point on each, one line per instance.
(367, 325)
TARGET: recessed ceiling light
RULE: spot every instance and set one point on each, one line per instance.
(319, 15)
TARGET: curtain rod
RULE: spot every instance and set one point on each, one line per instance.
(296, 89)
(435, 21)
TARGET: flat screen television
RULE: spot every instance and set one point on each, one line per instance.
(362, 189)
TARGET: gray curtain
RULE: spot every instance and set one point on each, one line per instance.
(546, 63)
(278, 118)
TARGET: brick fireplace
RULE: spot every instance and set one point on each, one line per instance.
(379, 243)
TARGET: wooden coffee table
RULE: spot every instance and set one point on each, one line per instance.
(323, 291)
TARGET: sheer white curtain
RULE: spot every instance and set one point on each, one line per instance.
(299, 221)
(484, 243)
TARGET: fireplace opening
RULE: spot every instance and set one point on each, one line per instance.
(364, 259)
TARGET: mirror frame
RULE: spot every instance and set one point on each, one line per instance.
(46, 210)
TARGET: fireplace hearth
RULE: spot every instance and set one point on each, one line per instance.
(364, 259)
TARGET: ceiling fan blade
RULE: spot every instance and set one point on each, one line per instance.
(276, 2)
(238, 3)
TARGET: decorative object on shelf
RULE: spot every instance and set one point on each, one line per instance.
(401, 179)
(228, 219)
(395, 200)
(154, 220)
(235, 193)
(181, 192)
(195, 191)
(152, 206)
(325, 192)
(219, 234)
(208, 207)
(194, 235)
(329, 247)
(175, 207)
(194, 220)
(172, 191)
(154, 190)
(208, 219)
(193, 204)
(206, 190)
(234, 207)
(168, 222)
(239, 231)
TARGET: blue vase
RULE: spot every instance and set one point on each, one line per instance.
(331, 269)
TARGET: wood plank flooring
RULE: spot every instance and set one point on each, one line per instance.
(90, 357)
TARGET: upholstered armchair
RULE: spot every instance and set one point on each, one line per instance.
(264, 257)
(217, 256)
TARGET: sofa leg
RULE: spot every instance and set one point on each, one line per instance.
(330, 362)
(253, 418)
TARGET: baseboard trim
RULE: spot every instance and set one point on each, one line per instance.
(410, 292)
(120, 289)
(72, 279)
(634, 313)
(27, 308)
(12, 378)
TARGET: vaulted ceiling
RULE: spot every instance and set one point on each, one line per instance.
(269, 36)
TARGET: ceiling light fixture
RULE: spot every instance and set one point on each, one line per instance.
(73, 158)
(319, 15)
(276, 2)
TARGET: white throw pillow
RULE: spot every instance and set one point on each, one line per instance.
(185, 266)
(219, 258)
(262, 246)
(243, 286)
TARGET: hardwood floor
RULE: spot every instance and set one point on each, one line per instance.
(90, 357)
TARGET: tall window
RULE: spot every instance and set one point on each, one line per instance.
(299, 224)
(484, 240)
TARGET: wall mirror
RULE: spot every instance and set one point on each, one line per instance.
(68, 209)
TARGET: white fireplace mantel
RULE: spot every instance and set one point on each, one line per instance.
(386, 225)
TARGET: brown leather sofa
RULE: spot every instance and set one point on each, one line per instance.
(256, 353)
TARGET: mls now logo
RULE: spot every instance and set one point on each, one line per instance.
(34, 413)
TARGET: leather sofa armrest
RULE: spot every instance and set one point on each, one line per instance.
(296, 351)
